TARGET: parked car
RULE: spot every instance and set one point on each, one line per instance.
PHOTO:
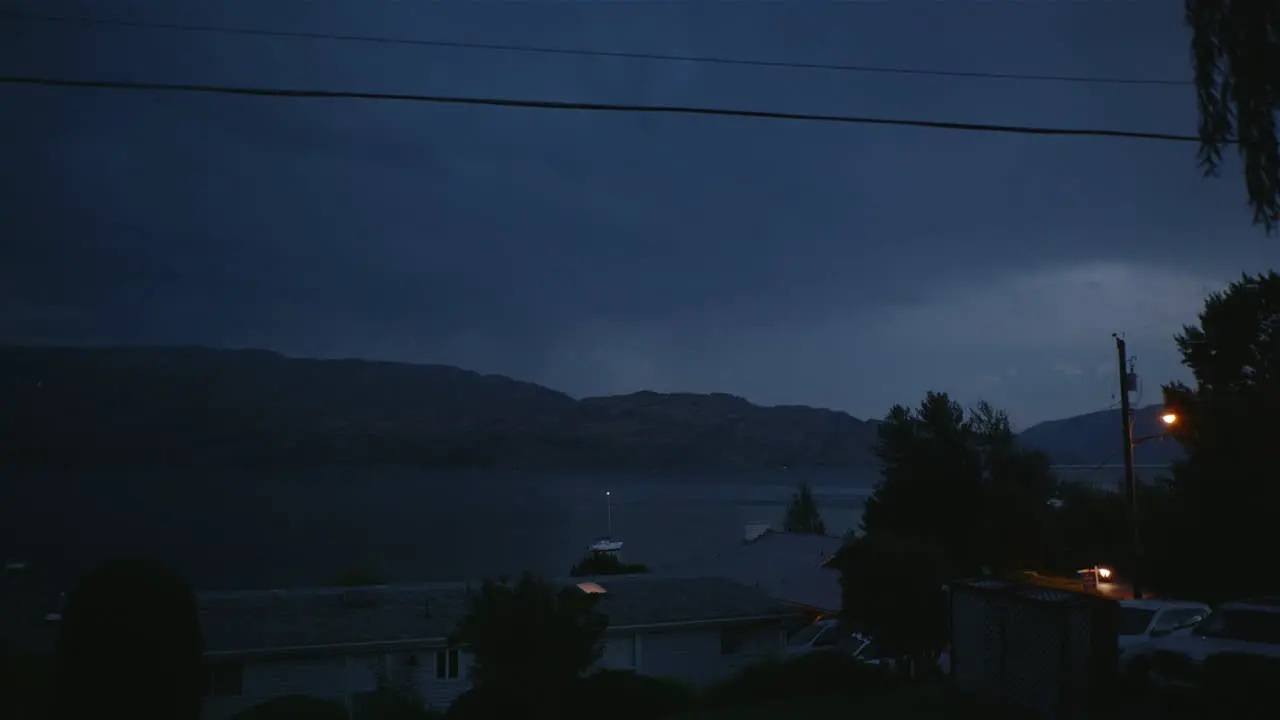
(1141, 622)
(1242, 632)
(825, 634)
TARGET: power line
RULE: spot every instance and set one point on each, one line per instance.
(596, 107)
(545, 50)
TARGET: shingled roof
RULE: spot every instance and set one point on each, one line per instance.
(787, 566)
(270, 621)
(302, 618)
(651, 600)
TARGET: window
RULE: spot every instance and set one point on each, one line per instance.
(730, 642)
(1247, 625)
(806, 635)
(226, 680)
(447, 664)
(1174, 619)
(829, 638)
(1135, 621)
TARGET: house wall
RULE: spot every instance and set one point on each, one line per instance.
(699, 656)
(695, 656)
(339, 677)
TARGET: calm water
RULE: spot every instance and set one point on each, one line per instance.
(273, 529)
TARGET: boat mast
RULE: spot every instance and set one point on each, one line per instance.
(608, 504)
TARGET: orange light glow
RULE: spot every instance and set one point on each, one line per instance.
(1104, 573)
(1169, 418)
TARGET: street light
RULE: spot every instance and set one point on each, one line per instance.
(1169, 418)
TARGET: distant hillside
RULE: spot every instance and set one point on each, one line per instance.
(147, 406)
(1094, 439)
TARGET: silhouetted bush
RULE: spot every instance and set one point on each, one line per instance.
(819, 673)
(391, 704)
(621, 694)
(295, 707)
(26, 684)
(631, 696)
(599, 563)
(482, 704)
(130, 644)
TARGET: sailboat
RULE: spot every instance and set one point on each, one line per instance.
(607, 544)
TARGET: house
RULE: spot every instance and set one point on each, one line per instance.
(791, 567)
(340, 643)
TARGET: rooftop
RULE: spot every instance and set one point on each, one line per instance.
(787, 566)
(311, 618)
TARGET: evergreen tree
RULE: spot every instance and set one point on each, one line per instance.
(803, 515)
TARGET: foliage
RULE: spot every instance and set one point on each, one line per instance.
(1090, 528)
(531, 639)
(294, 707)
(956, 495)
(960, 482)
(892, 589)
(360, 577)
(599, 563)
(625, 694)
(630, 696)
(389, 703)
(122, 623)
(807, 675)
(1223, 494)
(803, 515)
(1236, 50)
(26, 684)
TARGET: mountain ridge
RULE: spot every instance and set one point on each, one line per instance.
(183, 405)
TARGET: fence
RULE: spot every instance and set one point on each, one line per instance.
(1048, 651)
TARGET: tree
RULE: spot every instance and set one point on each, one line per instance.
(961, 482)
(294, 707)
(1224, 494)
(956, 495)
(360, 577)
(130, 644)
(532, 640)
(803, 515)
(1235, 46)
(892, 588)
(602, 563)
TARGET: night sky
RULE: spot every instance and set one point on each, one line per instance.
(834, 265)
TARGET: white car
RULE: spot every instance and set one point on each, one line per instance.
(1142, 622)
(822, 635)
(1242, 628)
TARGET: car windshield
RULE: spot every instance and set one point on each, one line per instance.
(872, 651)
(807, 635)
(1259, 626)
(1134, 621)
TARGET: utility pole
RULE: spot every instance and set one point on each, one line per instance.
(1130, 481)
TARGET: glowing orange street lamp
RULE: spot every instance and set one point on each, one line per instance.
(1169, 418)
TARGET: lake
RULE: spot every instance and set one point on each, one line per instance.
(264, 529)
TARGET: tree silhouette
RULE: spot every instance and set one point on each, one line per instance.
(360, 577)
(1224, 491)
(1235, 46)
(803, 515)
(130, 644)
(601, 563)
(532, 640)
(961, 482)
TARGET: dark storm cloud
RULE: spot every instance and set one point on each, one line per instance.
(835, 265)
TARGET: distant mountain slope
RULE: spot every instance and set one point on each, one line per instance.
(160, 405)
(1094, 439)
